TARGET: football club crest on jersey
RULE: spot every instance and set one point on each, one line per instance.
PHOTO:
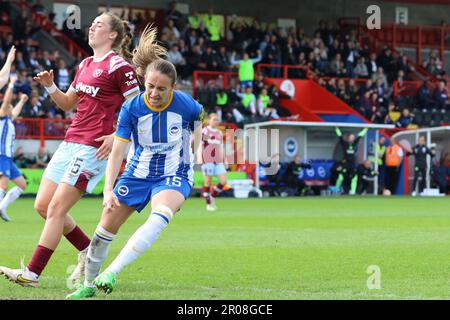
(174, 129)
(97, 73)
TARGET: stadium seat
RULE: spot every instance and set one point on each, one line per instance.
(418, 118)
(426, 119)
(436, 118)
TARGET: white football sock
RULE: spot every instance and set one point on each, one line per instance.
(2, 194)
(10, 197)
(142, 239)
(97, 253)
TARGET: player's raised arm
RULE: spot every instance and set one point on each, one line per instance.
(5, 71)
(18, 107)
(7, 98)
(64, 101)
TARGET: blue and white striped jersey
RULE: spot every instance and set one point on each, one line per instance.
(161, 138)
(7, 136)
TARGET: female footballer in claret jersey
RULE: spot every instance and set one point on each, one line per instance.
(159, 123)
(102, 82)
(214, 162)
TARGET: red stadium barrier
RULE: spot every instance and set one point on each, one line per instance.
(220, 79)
(396, 35)
(358, 81)
(42, 129)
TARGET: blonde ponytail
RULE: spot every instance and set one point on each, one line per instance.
(147, 51)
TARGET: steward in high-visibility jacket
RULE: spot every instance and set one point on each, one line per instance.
(394, 155)
(393, 159)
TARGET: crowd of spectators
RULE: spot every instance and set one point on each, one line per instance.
(39, 161)
(335, 58)
(372, 93)
(31, 59)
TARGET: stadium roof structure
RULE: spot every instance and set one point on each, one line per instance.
(318, 126)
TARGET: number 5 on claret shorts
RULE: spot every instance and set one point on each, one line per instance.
(76, 165)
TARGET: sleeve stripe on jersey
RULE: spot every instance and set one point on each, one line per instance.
(131, 91)
(122, 139)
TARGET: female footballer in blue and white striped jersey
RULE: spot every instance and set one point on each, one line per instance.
(8, 169)
(159, 122)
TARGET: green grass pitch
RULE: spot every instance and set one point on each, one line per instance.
(297, 248)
